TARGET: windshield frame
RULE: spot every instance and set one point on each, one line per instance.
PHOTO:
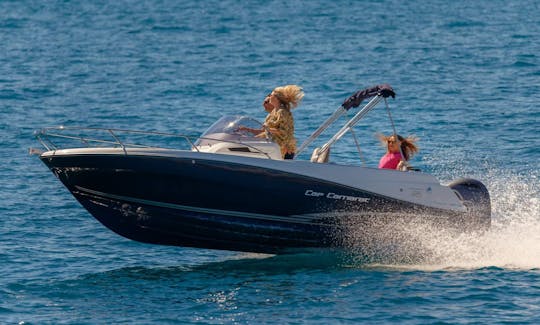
(226, 129)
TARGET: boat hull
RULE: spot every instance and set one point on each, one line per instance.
(197, 200)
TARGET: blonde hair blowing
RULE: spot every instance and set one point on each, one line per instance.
(289, 95)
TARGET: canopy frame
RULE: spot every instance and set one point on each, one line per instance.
(378, 93)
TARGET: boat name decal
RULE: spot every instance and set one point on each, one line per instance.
(335, 196)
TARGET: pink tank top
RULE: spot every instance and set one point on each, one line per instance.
(390, 160)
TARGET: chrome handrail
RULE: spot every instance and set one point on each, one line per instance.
(44, 136)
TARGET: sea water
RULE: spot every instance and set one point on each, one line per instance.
(467, 78)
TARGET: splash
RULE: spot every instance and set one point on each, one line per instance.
(512, 242)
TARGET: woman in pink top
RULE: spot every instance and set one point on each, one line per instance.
(393, 158)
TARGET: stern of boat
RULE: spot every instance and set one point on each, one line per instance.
(476, 199)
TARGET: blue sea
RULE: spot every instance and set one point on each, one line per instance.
(467, 79)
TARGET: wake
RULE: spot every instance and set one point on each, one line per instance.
(512, 242)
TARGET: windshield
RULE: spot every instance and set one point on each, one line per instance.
(226, 129)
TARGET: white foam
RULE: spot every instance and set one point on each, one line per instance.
(513, 241)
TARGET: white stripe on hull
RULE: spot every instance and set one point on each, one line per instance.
(302, 219)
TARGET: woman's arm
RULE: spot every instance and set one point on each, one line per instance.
(250, 130)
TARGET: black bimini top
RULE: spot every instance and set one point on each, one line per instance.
(355, 99)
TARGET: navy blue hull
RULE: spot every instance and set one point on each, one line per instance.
(213, 204)
(165, 226)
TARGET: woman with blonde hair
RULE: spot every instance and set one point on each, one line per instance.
(398, 151)
(280, 122)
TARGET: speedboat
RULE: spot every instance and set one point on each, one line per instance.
(229, 190)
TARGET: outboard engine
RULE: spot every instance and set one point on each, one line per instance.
(475, 197)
